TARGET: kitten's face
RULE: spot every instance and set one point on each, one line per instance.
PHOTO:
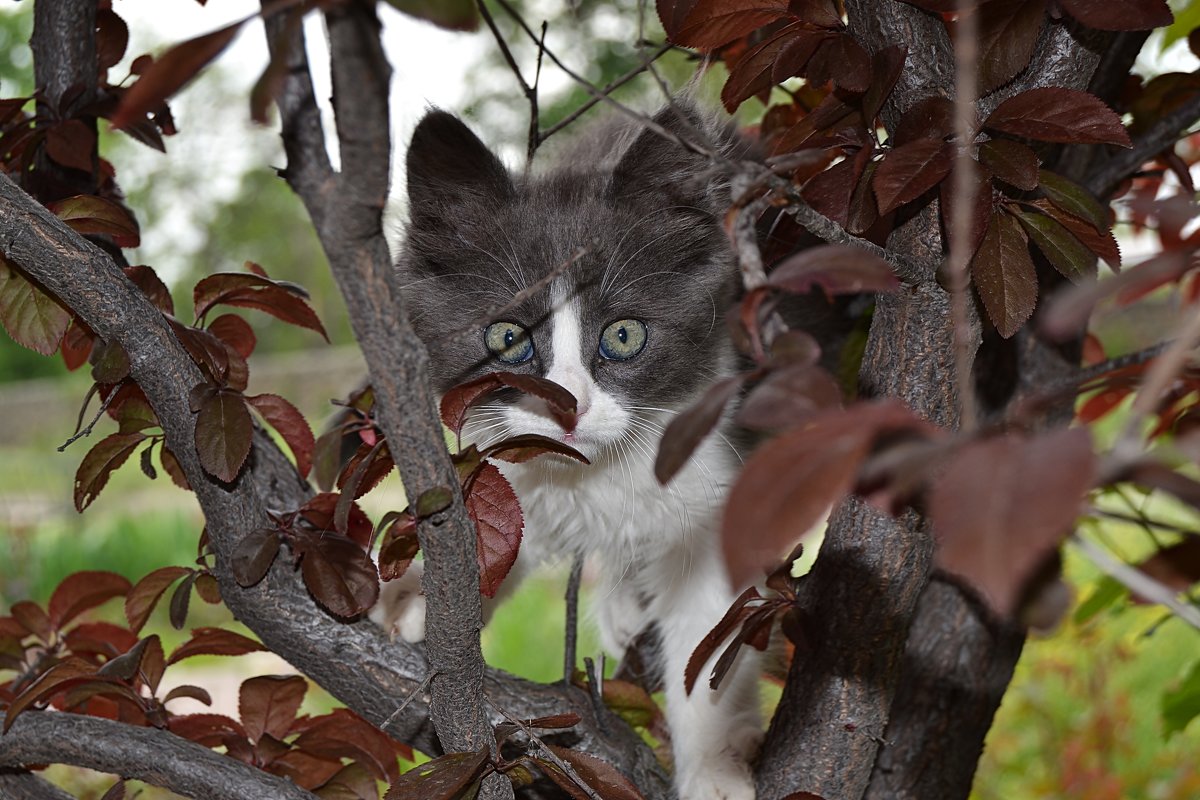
(613, 287)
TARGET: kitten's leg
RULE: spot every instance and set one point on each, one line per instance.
(713, 733)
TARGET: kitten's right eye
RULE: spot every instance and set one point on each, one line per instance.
(509, 342)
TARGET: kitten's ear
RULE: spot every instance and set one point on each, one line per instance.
(655, 166)
(447, 164)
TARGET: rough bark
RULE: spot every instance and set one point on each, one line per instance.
(279, 609)
(21, 785)
(146, 754)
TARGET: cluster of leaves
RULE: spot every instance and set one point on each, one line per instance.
(220, 348)
(105, 670)
(1018, 212)
(489, 498)
(1001, 535)
(457, 776)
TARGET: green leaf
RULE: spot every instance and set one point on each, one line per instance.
(1107, 592)
(1182, 704)
(1073, 199)
(1065, 253)
(457, 15)
(32, 318)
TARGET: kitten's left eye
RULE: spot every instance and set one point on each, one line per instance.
(623, 339)
(509, 342)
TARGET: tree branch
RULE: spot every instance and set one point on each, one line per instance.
(1162, 134)
(23, 785)
(279, 609)
(146, 754)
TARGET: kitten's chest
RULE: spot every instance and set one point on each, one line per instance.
(617, 507)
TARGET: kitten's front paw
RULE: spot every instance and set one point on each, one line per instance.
(400, 609)
(729, 780)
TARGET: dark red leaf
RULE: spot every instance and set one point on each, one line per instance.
(690, 427)
(398, 547)
(146, 279)
(1004, 274)
(269, 703)
(787, 486)
(291, 425)
(76, 343)
(1004, 504)
(496, 512)
(708, 24)
(196, 693)
(206, 729)
(180, 600)
(99, 639)
(90, 214)
(339, 574)
(209, 353)
(837, 269)
(843, 60)
(99, 463)
(446, 777)
(279, 303)
(602, 777)
(31, 617)
(214, 642)
(235, 332)
(979, 207)
(1011, 162)
(169, 72)
(787, 396)
(1055, 114)
(71, 143)
(1131, 15)
(208, 588)
(32, 318)
(459, 400)
(224, 432)
(1008, 31)
(173, 468)
(886, 66)
(370, 464)
(254, 555)
(525, 447)
(116, 791)
(785, 51)
(911, 170)
(112, 37)
(321, 512)
(733, 618)
(930, 118)
(455, 15)
(344, 734)
(830, 192)
(1069, 309)
(53, 680)
(126, 666)
(82, 591)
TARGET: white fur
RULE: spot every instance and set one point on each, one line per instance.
(657, 547)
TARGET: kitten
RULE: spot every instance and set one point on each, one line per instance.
(634, 329)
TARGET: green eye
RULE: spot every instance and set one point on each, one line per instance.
(623, 339)
(509, 342)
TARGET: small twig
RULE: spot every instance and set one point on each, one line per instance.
(591, 88)
(529, 90)
(413, 695)
(1145, 523)
(596, 691)
(572, 631)
(79, 434)
(1158, 379)
(535, 120)
(966, 50)
(607, 89)
(1095, 371)
(548, 753)
(1162, 134)
(1137, 581)
(909, 271)
(521, 296)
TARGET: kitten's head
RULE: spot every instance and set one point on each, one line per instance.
(609, 275)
